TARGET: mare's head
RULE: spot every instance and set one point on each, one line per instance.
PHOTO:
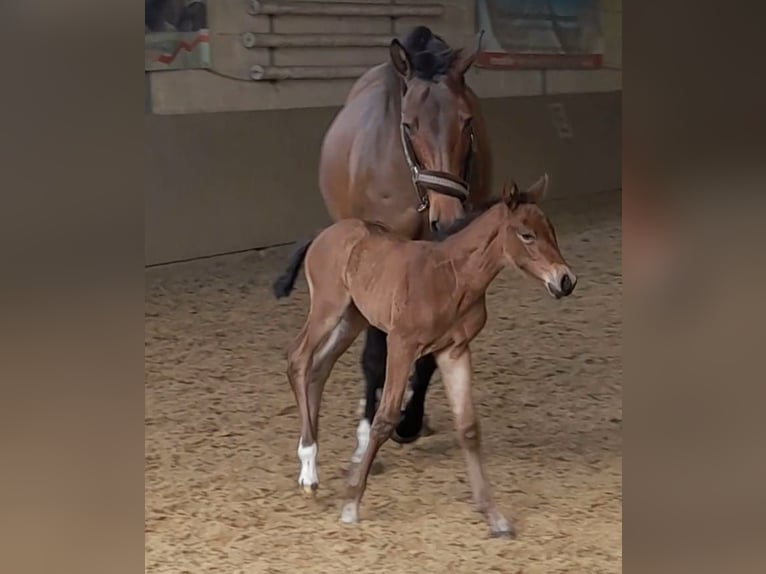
(436, 121)
(529, 239)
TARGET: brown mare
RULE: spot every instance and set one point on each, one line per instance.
(409, 149)
(430, 298)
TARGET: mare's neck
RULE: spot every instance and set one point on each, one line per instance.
(476, 252)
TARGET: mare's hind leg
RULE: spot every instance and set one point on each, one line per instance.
(325, 323)
(398, 363)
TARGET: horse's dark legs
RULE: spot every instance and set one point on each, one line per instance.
(374, 358)
(411, 425)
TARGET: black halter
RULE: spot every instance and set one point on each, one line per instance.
(438, 181)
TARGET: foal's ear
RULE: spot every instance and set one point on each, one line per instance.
(536, 192)
(510, 193)
(463, 63)
(400, 59)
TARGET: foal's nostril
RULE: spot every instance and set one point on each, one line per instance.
(435, 225)
(566, 284)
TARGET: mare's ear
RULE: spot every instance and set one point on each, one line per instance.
(510, 193)
(462, 63)
(400, 59)
(536, 192)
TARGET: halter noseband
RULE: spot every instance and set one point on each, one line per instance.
(439, 181)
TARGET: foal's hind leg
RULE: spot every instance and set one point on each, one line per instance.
(455, 367)
(328, 328)
(339, 340)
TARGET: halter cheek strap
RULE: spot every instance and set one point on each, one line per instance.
(438, 181)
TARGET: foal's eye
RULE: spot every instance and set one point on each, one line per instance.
(527, 237)
(408, 127)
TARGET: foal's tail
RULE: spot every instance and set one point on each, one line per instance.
(284, 284)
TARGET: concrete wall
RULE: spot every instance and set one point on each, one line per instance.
(223, 182)
(232, 165)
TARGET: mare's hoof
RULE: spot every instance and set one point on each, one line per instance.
(309, 489)
(376, 468)
(426, 430)
(404, 439)
(411, 428)
(350, 513)
(408, 431)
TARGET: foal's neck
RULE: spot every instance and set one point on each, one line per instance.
(476, 252)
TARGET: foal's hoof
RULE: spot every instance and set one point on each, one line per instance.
(508, 534)
(309, 489)
(500, 527)
(350, 513)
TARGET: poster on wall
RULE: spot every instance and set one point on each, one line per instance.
(176, 35)
(540, 34)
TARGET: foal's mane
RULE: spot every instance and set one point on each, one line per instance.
(466, 220)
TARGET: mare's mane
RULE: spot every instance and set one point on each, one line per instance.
(431, 59)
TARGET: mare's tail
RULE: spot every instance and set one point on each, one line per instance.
(284, 284)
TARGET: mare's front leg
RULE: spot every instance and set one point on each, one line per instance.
(455, 367)
(399, 360)
(374, 357)
(412, 424)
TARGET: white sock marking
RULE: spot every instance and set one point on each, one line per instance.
(308, 457)
(407, 397)
(362, 440)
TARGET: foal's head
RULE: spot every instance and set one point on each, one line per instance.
(529, 240)
(436, 119)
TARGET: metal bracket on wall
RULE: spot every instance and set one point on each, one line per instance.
(255, 40)
(270, 73)
(272, 8)
(560, 121)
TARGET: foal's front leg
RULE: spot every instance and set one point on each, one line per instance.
(398, 363)
(455, 367)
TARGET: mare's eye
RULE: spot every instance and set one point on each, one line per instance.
(527, 237)
(408, 127)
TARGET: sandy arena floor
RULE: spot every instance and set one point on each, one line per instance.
(222, 429)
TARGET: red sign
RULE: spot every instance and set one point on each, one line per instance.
(519, 61)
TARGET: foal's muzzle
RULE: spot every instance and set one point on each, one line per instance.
(561, 286)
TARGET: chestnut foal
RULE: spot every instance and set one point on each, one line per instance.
(430, 298)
